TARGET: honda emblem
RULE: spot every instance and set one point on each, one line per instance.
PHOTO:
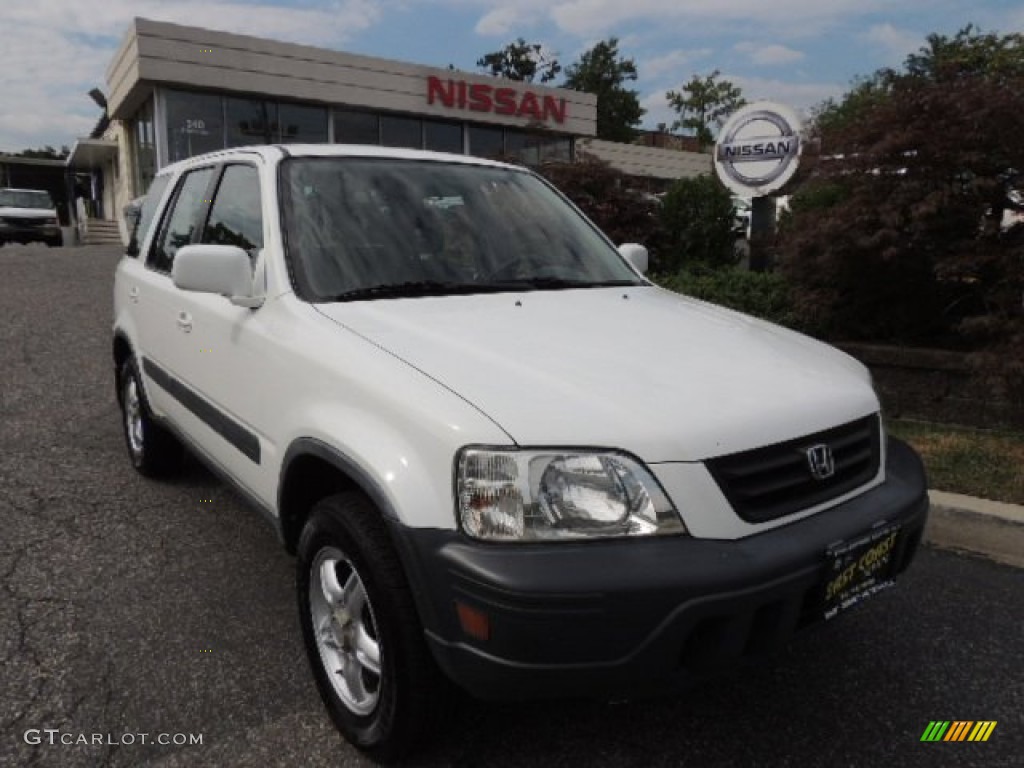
(819, 459)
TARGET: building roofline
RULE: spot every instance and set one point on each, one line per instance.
(186, 33)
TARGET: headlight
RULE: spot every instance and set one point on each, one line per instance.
(511, 495)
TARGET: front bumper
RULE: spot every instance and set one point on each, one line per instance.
(17, 233)
(639, 616)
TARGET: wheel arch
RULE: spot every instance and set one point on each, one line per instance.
(312, 470)
(122, 351)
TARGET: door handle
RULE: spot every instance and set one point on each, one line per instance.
(185, 322)
(133, 294)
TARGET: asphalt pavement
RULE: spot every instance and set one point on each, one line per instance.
(132, 607)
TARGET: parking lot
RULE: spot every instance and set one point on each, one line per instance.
(134, 607)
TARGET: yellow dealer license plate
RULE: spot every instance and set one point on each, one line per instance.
(859, 568)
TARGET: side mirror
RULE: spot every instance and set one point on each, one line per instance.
(222, 269)
(636, 255)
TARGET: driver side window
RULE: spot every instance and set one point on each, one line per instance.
(236, 217)
(181, 222)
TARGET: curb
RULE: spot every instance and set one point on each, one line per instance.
(989, 528)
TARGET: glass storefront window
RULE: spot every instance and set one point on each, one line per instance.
(356, 127)
(556, 150)
(302, 123)
(401, 132)
(522, 146)
(195, 124)
(486, 142)
(442, 137)
(144, 141)
(535, 148)
(250, 121)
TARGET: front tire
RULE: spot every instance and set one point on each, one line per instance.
(153, 450)
(362, 633)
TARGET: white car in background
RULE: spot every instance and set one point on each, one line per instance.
(28, 216)
(741, 212)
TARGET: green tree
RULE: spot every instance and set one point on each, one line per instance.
(703, 104)
(603, 72)
(523, 61)
(46, 153)
(697, 219)
(969, 53)
(832, 115)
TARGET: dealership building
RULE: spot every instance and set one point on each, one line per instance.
(175, 91)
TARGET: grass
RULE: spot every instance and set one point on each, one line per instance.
(975, 462)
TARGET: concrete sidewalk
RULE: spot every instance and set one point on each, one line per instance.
(989, 528)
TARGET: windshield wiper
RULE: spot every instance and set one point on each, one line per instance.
(407, 290)
(415, 288)
(550, 283)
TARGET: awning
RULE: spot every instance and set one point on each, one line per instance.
(88, 154)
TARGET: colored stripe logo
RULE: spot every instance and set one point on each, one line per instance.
(958, 730)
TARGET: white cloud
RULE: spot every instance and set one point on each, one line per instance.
(500, 21)
(657, 110)
(672, 63)
(799, 96)
(896, 42)
(768, 55)
(55, 51)
(329, 22)
(598, 17)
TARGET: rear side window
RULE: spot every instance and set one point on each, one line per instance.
(236, 217)
(180, 223)
(148, 212)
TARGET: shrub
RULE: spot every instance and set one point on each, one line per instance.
(605, 195)
(761, 294)
(897, 236)
(697, 218)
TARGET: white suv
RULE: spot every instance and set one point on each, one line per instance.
(504, 459)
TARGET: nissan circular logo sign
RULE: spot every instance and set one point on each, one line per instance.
(759, 148)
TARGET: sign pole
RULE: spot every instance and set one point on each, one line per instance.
(762, 231)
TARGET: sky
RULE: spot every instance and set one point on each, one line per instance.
(798, 52)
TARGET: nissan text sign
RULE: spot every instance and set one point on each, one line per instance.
(758, 149)
(483, 97)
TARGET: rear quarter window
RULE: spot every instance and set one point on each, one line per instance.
(148, 213)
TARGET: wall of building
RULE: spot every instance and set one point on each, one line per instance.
(650, 162)
(119, 185)
(197, 78)
(195, 58)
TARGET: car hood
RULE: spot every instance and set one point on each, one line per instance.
(662, 376)
(28, 213)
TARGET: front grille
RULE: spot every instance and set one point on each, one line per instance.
(774, 481)
(18, 221)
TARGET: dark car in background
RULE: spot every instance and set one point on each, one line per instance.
(28, 216)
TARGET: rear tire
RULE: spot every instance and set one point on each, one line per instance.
(363, 637)
(153, 450)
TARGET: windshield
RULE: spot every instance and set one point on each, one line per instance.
(370, 228)
(25, 198)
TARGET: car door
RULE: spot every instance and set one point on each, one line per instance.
(161, 329)
(225, 356)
